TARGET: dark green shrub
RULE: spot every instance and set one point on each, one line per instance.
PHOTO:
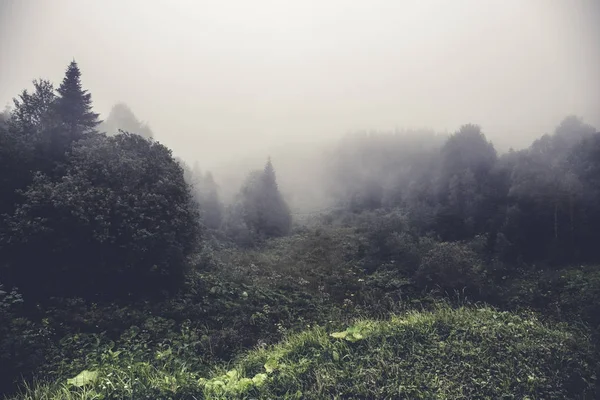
(579, 296)
(450, 266)
(119, 221)
(23, 343)
(570, 294)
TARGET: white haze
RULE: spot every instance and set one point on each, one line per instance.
(221, 80)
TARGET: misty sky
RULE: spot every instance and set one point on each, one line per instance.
(216, 79)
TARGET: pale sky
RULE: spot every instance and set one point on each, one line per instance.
(219, 79)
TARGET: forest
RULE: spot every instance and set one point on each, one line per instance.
(439, 267)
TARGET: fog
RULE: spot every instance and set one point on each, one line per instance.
(221, 80)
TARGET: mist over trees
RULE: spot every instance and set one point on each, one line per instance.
(205, 193)
(537, 202)
(259, 210)
(122, 118)
(119, 259)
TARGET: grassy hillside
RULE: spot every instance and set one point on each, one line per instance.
(446, 354)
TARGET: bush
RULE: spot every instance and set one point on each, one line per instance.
(571, 294)
(23, 343)
(451, 266)
(119, 221)
(579, 296)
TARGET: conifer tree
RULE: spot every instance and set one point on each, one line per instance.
(259, 211)
(269, 178)
(211, 207)
(266, 212)
(121, 118)
(278, 219)
(74, 105)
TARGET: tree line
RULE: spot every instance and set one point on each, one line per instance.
(536, 205)
(86, 211)
(99, 209)
(113, 249)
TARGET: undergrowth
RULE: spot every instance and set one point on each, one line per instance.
(446, 353)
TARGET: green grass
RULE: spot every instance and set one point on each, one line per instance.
(460, 353)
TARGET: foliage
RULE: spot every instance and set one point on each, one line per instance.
(120, 215)
(467, 352)
(260, 211)
(542, 200)
(29, 140)
(74, 105)
(369, 170)
(98, 233)
(23, 343)
(205, 193)
(32, 113)
(451, 266)
(39, 130)
(13, 157)
(571, 294)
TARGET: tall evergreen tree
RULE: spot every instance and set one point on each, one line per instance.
(269, 177)
(211, 207)
(278, 221)
(74, 105)
(551, 196)
(274, 218)
(466, 162)
(259, 211)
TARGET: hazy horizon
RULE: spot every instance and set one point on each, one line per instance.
(220, 80)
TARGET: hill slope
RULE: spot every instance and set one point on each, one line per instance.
(449, 354)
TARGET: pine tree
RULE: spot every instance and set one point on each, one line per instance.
(74, 105)
(211, 207)
(467, 161)
(260, 211)
(269, 178)
(276, 219)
